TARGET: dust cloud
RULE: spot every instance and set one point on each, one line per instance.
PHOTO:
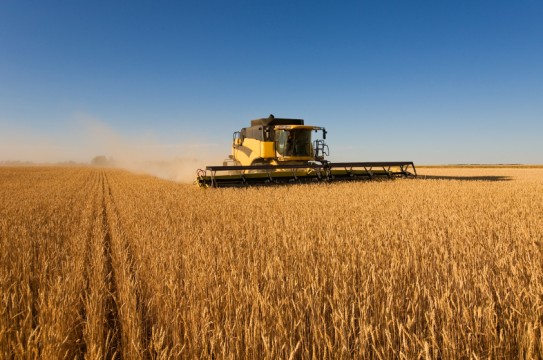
(179, 169)
(143, 153)
(88, 141)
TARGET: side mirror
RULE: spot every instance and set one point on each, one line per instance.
(237, 139)
(324, 134)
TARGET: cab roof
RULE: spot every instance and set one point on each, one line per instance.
(272, 121)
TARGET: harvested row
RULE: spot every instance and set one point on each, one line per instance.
(128, 314)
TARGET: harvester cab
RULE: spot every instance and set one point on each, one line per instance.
(273, 141)
(279, 150)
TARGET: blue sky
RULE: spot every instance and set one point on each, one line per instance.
(428, 81)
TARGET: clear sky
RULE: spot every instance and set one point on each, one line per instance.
(426, 81)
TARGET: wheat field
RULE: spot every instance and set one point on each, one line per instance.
(101, 263)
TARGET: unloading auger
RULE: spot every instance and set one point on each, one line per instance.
(281, 151)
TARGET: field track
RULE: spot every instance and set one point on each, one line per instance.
(102, 263)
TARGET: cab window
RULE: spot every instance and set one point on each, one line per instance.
(293, 142)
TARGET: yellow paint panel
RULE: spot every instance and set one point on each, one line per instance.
(267, 149)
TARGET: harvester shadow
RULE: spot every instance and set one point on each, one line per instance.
(466, 178)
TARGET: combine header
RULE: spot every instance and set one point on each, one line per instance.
(281, 151)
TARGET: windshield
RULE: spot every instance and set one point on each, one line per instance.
(293, 143)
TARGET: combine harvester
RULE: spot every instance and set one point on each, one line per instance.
(281, 151)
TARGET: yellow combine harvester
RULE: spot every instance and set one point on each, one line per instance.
(278, 151)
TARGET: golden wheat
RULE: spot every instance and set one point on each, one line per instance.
(106, 264)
